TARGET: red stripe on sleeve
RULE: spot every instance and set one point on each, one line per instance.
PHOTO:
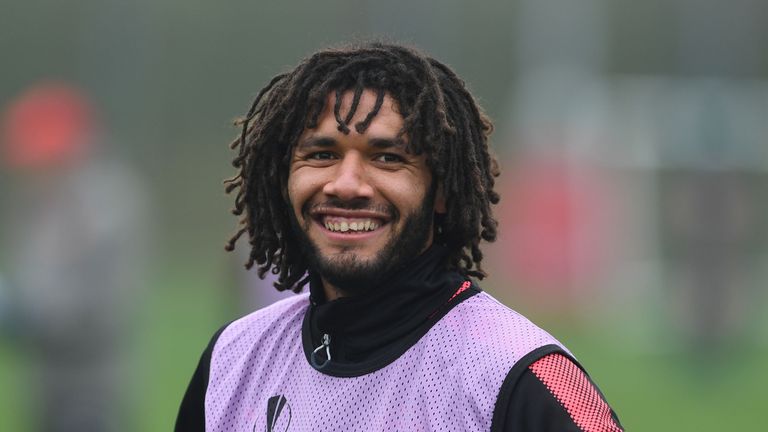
(575, 392)
(464, 286)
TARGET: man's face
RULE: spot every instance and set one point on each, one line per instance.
(362, 205)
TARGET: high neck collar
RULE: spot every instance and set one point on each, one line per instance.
(363, 325)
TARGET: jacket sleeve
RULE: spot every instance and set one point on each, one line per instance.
(554, 394)
(191, 417)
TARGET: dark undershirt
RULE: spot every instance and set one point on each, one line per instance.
(536, 403)
(410, 304)
(191, 417)
(533, 408)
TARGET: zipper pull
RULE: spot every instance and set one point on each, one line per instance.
(314, 358)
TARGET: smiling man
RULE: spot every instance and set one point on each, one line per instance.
(365, 173)
(363, 206)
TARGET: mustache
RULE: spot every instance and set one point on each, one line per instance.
(354, 204)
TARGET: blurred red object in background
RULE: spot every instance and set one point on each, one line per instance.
(556, 220)
(48, 125)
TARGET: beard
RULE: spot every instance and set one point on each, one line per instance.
(355, 276)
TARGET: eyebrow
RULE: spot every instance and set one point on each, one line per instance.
(385, 143)
(328, 142)
(312, 142)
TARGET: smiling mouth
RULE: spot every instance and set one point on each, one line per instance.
(350, 225)
(344, 221)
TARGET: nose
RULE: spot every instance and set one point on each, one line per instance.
(350, 179)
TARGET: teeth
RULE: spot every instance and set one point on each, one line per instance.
(356, 226)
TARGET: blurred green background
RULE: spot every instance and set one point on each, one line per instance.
(634, 149)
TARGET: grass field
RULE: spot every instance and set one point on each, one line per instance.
(650, 392)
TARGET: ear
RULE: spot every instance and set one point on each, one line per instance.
(440, 206)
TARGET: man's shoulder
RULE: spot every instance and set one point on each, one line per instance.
(279, 310)
(488, 322)
(287, 305)
(273, 319)
(483, 307)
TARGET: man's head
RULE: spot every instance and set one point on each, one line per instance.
(354, 162)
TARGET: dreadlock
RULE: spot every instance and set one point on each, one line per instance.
(441, 119)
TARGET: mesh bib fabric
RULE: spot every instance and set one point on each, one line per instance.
(449, 380)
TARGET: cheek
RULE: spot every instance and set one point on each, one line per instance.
(292, 194)
(419, 189)
(408, 194)
(302, 185)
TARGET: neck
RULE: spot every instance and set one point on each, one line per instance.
(331, 291)
(369, 325)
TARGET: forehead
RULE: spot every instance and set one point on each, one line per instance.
(387, 121)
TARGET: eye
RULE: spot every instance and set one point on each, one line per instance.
(388, 158)
(322, 155)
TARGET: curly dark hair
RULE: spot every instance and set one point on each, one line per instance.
(441, 119)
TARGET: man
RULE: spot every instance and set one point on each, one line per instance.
(365, 173)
